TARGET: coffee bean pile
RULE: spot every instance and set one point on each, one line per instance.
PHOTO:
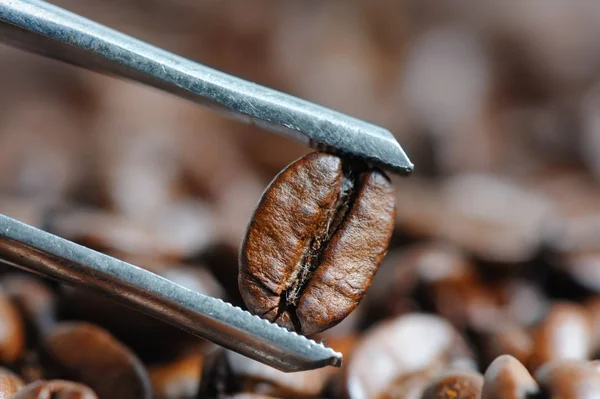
(491, 283)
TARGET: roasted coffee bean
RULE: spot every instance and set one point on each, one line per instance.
(12, 330)
(88, 354)
(455, 385)
(10, 383)
(565, 333)
(507, 378)
(396, 358)
(569, 379)
(508, 339)
(35, 300)
(496, 220)
(315, 242)
(55, 389)
(226, 372)
(179, 379)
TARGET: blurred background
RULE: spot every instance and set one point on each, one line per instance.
(497, 103)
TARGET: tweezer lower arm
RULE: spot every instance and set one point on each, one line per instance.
(51, 31)
(34, 250)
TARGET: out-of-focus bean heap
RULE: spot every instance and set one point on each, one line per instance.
(491, 287)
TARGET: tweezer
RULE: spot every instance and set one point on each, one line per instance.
(42, 28)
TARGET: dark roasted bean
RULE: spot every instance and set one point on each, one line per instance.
(55, 389)
(90, 355)
(315, 242)
(455, 385)
(507, 378)
(569, 379)
(397, 357)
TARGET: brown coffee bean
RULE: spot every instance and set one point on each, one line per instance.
(178, 379)
(10, 383)
(315, 242)
(35, 301)
(12, 330)
(30, 367)
(565, 333)
(449, 283)
(455, 385)
(507, 378)
(397, 357)
(569, 379)
(24, 209)
(226, 372)
(508, 339)
(421, 210)
(524, 302)
(592, 307)
(496, 220)
(90, 355)
(55, 389)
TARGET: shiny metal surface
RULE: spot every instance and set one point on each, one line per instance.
(51, 31)
(43, 253)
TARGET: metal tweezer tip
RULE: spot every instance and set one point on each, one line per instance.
(40, 252)
(53, 32)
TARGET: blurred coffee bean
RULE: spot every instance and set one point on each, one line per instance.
(507, 378)
(29, 366)
(455, 384)
(10, 383)
(41, 150)
(391, 292)
(569, 379)
(88, 354)
(137, 161)
(592, 307)
(226, 372)
(315, 242)
(450, 285)
(179, 379)
(565, 333)
(27, 210)
(35, 301)
(337, 58)
(55, 389)
(446, 81)
(104, 231)
(177, 230)
(507, 339)
(583, 268)
(397, 357)
(12, 330)
(225, 176)
(524, 301)
(421, 210)
(152, 339)
(494, 219)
